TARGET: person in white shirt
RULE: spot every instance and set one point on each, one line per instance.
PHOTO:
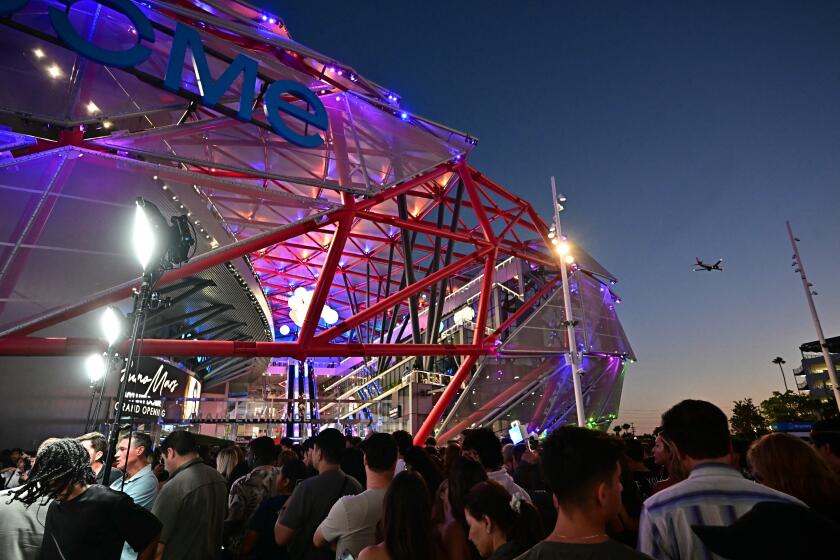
(483, 446)
(351, 523)
(715, 493)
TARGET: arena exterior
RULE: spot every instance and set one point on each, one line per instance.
(351, 267)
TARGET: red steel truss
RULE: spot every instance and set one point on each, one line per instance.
(478, 247)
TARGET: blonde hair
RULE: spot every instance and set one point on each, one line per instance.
(788, 464)
(226, 461)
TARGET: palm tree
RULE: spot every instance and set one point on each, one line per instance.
(617, 430)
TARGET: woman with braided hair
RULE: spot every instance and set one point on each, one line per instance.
(85, 519)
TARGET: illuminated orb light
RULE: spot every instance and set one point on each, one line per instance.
(299, 304)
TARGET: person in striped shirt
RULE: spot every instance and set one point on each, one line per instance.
(715, 493)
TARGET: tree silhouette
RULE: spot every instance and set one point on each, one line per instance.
(747, 421)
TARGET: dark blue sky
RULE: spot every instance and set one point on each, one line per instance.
(675, 129)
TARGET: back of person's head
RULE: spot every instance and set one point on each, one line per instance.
(226, 461)
(331, 444)
(97, 442)
(404, 441)
(380, 451)
(576, 462)
(287, 442)
(634, 450)
(286, 455)
(293, 470)
(788, 464)
(484, 443)
(452, 452)
(508, 453)
(488, 502)
(463, 475)
(353, 464)
(307, 444)
(59, 465)
(263, 450)
(431, 442)
(826, 434)
(418, 460)
(140, 439)
(407, 518)
(183, 443)
(698, 429)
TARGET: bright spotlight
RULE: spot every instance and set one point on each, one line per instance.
(561, 198)
(143, 238)
(570, 259)
(563, 248)
(95, 367)
(54, 71)
(112, 324)
(285, 330)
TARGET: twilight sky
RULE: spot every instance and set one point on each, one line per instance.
(675, 131)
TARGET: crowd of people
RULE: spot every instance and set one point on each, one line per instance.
(576, 494)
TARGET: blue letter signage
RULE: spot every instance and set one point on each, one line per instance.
(210, 89)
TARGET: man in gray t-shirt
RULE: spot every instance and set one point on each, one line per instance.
(351, 523)
(313, 498)
(192, 503)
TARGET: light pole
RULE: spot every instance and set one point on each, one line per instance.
(565, 259)
(809, 295)
(779, 360)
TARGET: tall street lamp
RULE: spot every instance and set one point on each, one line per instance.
(566, 259)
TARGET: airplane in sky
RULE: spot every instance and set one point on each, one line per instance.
(701, 266)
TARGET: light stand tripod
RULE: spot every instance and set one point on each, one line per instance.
(159, 247)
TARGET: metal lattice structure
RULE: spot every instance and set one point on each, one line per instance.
(383, 222)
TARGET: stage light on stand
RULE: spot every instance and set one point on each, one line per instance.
(95, 367)
(143, 237)
(112, 323)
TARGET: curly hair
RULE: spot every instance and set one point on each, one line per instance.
(59, 466)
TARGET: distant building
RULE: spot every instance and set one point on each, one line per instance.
(812, 376)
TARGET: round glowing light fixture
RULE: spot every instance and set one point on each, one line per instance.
(464, 315)
(299, 304)
(112, 323)
(285, 330)
(95, 367)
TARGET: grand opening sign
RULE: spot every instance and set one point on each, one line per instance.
(153, 381)
(211, 89)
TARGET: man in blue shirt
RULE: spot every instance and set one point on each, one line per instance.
(134, 453)
(715, 492)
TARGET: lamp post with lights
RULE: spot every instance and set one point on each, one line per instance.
(566, 259)
(799, 268)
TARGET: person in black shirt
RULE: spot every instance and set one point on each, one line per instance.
(86, 519)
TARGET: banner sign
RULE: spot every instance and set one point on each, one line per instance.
(156, 379)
